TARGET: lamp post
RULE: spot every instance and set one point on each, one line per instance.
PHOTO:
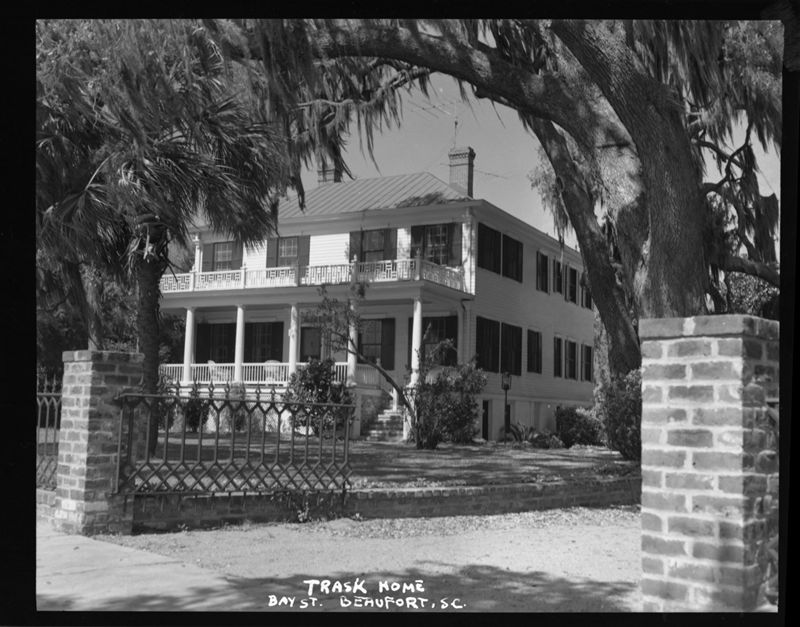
(505, 384)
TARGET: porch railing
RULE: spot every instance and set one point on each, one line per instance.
(209, 443)
(287, 276)
(265, 374)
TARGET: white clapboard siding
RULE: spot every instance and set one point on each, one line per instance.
(255, 256)
(329, 249)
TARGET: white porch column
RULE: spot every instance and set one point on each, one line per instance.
(466, 350)
(416, 340)
(352, 360)
(238, 355)
(198, 252)
(294, 330)
(198, 261)
(188, 346)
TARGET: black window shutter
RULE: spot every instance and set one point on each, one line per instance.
(488, 344)
(236, 256)
(483, 247)
(517, 350)
(249, 349)
(417, 241)
(451, 333)
(454, 235)
(272, 252)
(303, 250)
(202, 343)
(208, 257)
(355, 245)
(276, 341)
(387, 343)
(390, 244)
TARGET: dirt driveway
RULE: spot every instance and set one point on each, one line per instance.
(570, 560)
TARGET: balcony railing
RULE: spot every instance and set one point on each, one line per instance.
(266, 374)
(332, 274)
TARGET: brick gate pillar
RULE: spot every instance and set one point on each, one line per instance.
(706, 484)
(87, 447)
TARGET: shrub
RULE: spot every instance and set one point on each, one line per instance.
(537, 439)
(445, 403)
(314, 384)
(228, 412)
(575, 425)
(618, 404)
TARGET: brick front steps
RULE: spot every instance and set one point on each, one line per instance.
(162, 512)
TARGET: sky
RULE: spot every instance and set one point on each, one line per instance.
(505, 153)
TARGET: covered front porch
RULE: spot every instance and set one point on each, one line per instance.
(263, 339)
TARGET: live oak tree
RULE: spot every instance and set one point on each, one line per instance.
(623, 110)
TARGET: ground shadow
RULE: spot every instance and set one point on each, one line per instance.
(473, 588)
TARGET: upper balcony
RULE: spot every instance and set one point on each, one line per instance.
(398, 270)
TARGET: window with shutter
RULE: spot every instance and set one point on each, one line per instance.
(224, 256)
(542, 272)
(558, 357)
(572, 360)
(489, 248)
(488, 344)
(534, 351)
(310, 343)
(572, 285)
(369, 340)
(373, 245)
(287, 251)
(438, 243)
(511, 351)
(512, 258)
(587, 358)
(438, 328)
(558, 277)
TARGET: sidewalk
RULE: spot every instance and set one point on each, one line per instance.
(77, 573)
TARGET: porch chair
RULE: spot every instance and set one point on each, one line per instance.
(272, 371)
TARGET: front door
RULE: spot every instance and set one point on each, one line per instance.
(485, 421)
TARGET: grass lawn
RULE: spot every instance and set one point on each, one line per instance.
(384, 464)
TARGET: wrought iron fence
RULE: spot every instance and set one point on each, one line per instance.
(48, 422)
(230, 441)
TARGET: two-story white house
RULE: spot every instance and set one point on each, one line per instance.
(432, 255)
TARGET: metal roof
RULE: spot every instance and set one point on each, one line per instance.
(385, 192)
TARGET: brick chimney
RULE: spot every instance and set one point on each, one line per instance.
(328, 174)
(461, 169)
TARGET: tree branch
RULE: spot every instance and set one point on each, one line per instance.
(766, 272)
(545, 95)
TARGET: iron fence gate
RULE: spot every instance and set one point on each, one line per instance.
(48, 422)
(199, 443)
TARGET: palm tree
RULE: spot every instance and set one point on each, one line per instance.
(143, 129)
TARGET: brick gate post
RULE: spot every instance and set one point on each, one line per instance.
(87, 448)
(705, 489)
